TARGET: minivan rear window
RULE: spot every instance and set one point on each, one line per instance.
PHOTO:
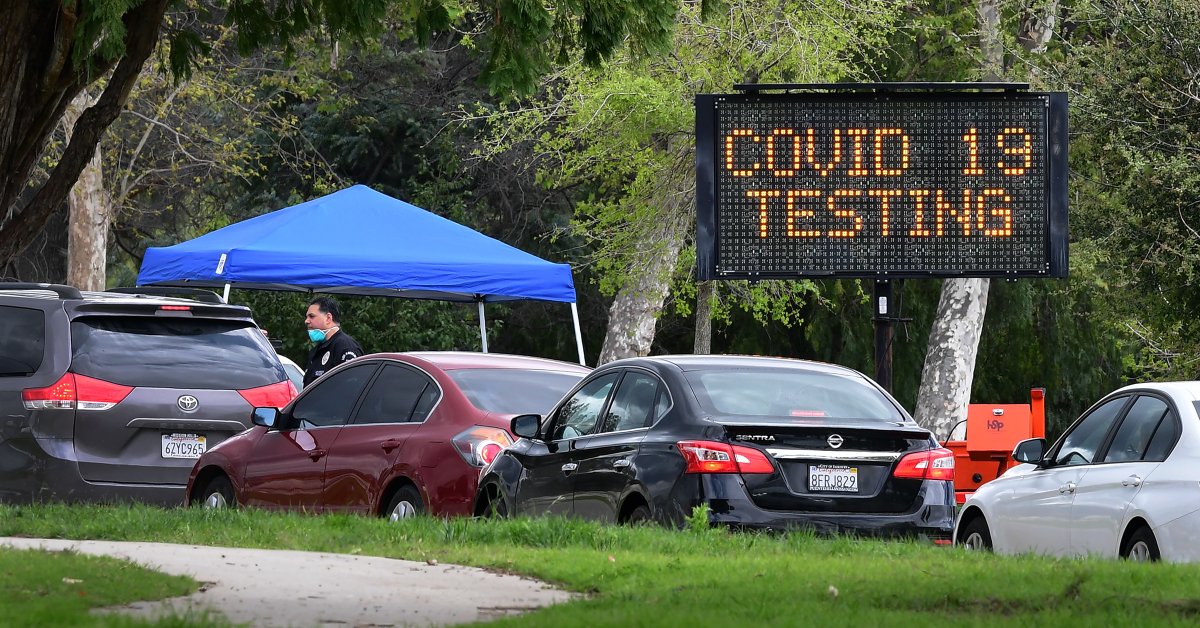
(22, 340)
(173, 352)
(791, 393)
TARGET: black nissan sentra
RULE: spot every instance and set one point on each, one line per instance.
(763, 442)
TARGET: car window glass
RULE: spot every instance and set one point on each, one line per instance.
(330, 401)
(393, 395)
(1133, 436)
(783, 393)
(22, 341)
(1080, 444)
(661, 404)
(1164, 438)
(633, 403)
(580, 414)
(514, 391)
(174, 352)
(425, 404)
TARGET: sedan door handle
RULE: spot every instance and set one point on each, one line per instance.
(1132, 480)
(621, 463)
(569, 467)
(389, 444)
(1069, 487)
(317, 454)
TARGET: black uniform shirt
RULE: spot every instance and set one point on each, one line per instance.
(331, 352)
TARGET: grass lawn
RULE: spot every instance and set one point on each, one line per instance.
(698, 576)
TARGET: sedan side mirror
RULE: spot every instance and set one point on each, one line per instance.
(266, 417)
(526, 425)
(1030, 451)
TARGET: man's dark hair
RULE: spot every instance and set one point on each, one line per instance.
(328, 306)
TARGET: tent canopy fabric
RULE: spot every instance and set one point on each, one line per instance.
(359, 241)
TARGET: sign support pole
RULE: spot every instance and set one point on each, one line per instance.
(883, 319)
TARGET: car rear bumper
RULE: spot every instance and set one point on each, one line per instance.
(33, 471)
(932, 517)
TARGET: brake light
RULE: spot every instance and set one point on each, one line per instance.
(934, 464)
(479, 445)
(714, 457)
(175, 308)
(275, 395)
(72, 392)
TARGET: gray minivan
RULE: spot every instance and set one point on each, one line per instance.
(108, 396)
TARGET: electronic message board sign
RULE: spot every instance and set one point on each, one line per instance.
(882, 184)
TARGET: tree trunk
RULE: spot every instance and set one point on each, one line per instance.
(954, 339)
(705, 292)
(38, 79)
(634, 312)
(950, 360)
(90, 209)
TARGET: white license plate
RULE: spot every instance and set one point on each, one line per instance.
(823, 477)
(183, 445)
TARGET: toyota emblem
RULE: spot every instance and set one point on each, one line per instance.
(188, 403)
(834, 440)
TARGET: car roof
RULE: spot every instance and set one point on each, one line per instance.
(452, 360)
(1189, 390)
(704, 362)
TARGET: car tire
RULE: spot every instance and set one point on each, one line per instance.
(975, 536)
(1141, 547)
(639, 516)
(404, 504)
(496, 507)
(217, 494)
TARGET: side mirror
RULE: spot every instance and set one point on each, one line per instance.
(1030, 451)
(526, 425)
(266, 417)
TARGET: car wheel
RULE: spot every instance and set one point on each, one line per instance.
(975, 536)
(638, 516)
(405, 503)
(496, 507)
(218, 494)
(1141, 546)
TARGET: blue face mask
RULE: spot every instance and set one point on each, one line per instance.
(316, 335)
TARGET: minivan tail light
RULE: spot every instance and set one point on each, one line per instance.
(275, 395)
(479, 445)
(714, 457)
(73, 391)
(934, 464)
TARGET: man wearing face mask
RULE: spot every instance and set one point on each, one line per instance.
(333, 346)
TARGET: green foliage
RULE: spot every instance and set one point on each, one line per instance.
(620, 139)
(652, 576)
(1135, 172)
(41, 588)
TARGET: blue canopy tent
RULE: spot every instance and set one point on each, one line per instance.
(359, 241)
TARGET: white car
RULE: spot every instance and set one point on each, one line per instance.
(1124, 480)
(293, 370)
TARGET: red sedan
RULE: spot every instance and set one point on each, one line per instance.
(393, 434)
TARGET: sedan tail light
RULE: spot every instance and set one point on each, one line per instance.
(479, 445)
(704, 456)
(934, 464)
(275, 395)
(73, 392)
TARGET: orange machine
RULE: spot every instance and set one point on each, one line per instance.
(993, 430)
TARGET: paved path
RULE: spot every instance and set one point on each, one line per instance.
(301, 589)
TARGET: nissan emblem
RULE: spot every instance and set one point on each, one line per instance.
(834, 440)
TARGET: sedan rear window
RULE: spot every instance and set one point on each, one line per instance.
(790, 393)
(514, 391)
(174, 352)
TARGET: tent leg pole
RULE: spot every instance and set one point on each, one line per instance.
(482, 327)
(578, 335)
(226, 293)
